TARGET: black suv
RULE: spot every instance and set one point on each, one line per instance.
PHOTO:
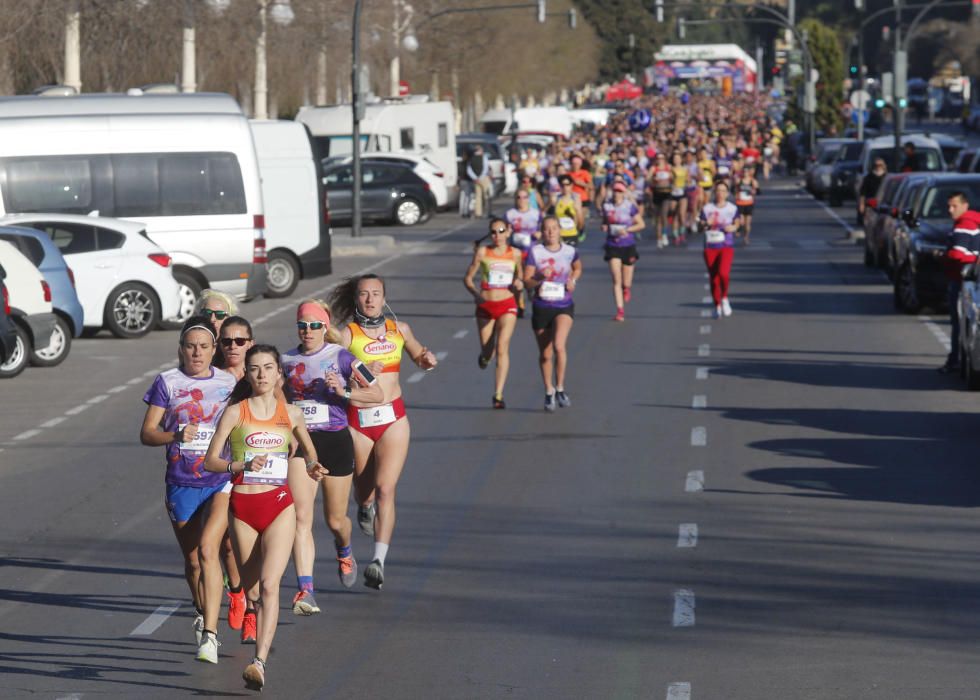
(844, 174)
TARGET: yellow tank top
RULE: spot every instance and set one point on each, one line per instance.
(707, 168)
(387, 349)
(498, 270)
(680, 177)
(255, 436)
(565, 211)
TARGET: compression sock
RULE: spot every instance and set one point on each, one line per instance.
(304, 583)
(380, 552)
(343, 552)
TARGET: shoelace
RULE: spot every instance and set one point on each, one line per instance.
(346, 564)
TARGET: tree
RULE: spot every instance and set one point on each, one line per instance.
(828, 60)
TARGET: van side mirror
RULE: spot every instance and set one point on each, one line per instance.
(909, 218)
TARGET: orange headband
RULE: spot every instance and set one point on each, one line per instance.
(314, 310)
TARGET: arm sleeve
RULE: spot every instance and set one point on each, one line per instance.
(157, 394)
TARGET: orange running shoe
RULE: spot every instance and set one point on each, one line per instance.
(248, 627)
(347, 571)
(236, 609)
(305, 604)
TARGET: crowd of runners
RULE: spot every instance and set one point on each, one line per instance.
(251, 434)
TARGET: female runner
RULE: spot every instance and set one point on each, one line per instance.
(320, 378)
(678, 196)
(525, 226)
(720, 221)
(260, 429)
(553, 269)
(496, 309)
(570, 212)
(182, 409)
(380, 428)
(746, 189)
(660, 179)
(621, 221)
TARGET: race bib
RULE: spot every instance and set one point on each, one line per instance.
(745, 200)
(722, 169)
(201, 440)
(313, 412)
(500, 279)
(663, 175)
(567, 223)
(768, 152)
(715, 237)
(617, 230)
(552, 291)
(274, 472)
(677, 192)
(375, 416)
(522, 240)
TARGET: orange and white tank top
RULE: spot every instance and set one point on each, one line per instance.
(270, 437)
(387, 349)
(498, 270)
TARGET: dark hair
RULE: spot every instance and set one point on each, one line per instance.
(243, 389)
(198, 321)
(960, 195)
(219, 356)
(493, 222)
(343, 299)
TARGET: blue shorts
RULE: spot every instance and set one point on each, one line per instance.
(184, 501)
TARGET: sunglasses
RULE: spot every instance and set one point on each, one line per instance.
(312, 325)
(240, 342)
(217, 314)
(498, 230)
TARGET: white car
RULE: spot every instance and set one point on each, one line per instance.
(423, 167)
(124, 280)
(29, 297)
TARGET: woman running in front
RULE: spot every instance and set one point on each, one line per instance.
(496, 310)
(183, 405)
(720, 221)
(320, 378)
(621, 221)
(746, 189)
(552, 270)
(380, 428)
(259, 429)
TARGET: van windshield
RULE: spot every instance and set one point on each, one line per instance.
(493, 127)
(926, 159)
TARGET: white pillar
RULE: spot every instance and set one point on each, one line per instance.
(73, 45)
(188, 70)
(321, 74)
(261, 95)
(395, 71)
(434, 86)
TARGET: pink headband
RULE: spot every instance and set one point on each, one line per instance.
(314, 310)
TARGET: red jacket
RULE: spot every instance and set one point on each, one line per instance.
(964, 243)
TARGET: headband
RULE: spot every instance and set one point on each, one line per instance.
(308, 308)
(198, 328)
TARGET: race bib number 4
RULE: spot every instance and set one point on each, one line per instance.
(552, 291)
(274, 472)
(314, 413)
(201, 440)
(378, 415)
(715, 237)
(500, 278)
(566, 223)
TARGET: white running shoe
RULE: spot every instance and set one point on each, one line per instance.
(198, 626)
(718, 311)
(208, 650)
(726, 308)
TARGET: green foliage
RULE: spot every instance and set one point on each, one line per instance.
(828, 59)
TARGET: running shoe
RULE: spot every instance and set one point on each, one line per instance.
(198, 626)
(718, 311)
(365, 519)
(520, 312)
(563, 399)
(549, 403)
(305, 604)
(374, 575)
(483, 361)
(254, 674)
(499, 403)
(249, 622)
(620, 315)
(726, 308)
(627, 294)
(347, 570)
(236, 609)
(207, 650)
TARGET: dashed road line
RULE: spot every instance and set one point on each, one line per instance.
(461, 333)
(416, 377)
(117, 389)
(701, 373)
(53, 422)
(699, 436)
(704, 350)
(705, 330)
(683, 608)
(27, 434)
(679, 691)
(78, 409)
(99, 398)
(687, 535)
(135, 380)
(699, 401)
(705, 300)
(705, 313)
(937, 331)
(694, 482)
(152, 623)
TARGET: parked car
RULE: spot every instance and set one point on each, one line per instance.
(389, 192)
(920, 243)
(964, 160)
(29, 299)
(844, 172)
(124, 280)
(818, 174)
(46, 257)
(422, 166)
(893, 221)
(878, 209)
(13, 355)
(950, 147)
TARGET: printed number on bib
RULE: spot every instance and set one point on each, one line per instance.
(201, 440)
(617, 230)
(552, 291)
(715, 237)
(501, 278)
(314, 413)
(677, 192)
(522, 240)
(566, 223)
(373, 417)
(274, 472)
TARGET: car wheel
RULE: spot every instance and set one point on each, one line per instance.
(189, 291)
(906, 295)
(18, 359)
(57, 349)
(283, 275)
(131, 311)
(408, 212)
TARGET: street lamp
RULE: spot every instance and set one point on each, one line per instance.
(280, 12)
(73, 45)
(398, 26)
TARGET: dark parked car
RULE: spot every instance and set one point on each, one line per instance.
(844, 173)
(893, 222)
(878, 210)
(389, 192)
(920, 240)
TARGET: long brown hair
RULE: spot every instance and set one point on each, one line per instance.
(343, 299)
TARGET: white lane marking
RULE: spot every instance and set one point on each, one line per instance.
(705, 330)
(679, 691)
(166, 365)
(117, 389)
(694, 482)
(699, 436)
(27, 434)
(442, 355)
(687, 535)
(705, 300)
(53, 422)
(704, 350)
(706, 275)
(152, 623)
(834, 215)
(699, 401)
(151, 373)
(701, 373)
(70, 696)
(705, 313)
(416, 378)
(683, 608)
(78, 409)
(461, 333)
(136, 380)
(707, 287)
(937, 331)
(97, 399)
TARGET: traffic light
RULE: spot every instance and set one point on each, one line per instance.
(903, 103)
(879, 103)
(854, 70)
(777, 71)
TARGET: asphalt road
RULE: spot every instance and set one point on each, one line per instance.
(775, 505)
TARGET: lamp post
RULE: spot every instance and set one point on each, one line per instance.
(357, 108)
(280, 12)
(73, 45)
(398, 27)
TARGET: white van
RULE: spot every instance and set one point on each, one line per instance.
(182, 164)
(549, 121)
(297, 229)
(393, 125)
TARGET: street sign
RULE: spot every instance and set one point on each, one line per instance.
(403, 88)
(860, 116)
(860, 99)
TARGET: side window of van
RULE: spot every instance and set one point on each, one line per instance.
(408, 139)
(192, 183)
(62, 184)
(443, 134)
